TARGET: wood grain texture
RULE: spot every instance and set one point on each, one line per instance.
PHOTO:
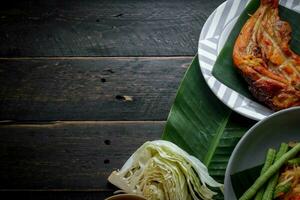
(89, 88)
(57, 195)
(102, 28)
(68, 155)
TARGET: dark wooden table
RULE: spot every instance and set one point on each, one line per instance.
(83, 84)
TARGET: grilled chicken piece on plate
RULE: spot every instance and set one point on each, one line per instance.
(264, 58)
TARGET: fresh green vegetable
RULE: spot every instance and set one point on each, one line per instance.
(200, 124)
(160, 170)
(268, 194)
(269, 161)
(295, 161)
(249, 194)
(282, 189)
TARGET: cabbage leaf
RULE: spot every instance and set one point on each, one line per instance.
(160, 170)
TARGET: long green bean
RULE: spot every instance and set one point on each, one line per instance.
(268, 194)
(249, 194)
(294, 161)
(268, 162)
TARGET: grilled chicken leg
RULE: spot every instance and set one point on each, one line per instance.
(264, 58)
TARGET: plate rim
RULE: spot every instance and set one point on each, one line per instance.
(244, 110)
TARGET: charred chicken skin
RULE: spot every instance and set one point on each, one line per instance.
(264, 58)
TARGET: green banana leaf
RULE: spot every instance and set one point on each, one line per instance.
(242, 181)
(224, 69)
(202, 125)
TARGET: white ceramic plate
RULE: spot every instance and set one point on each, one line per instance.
(282, 126)
(212, 39)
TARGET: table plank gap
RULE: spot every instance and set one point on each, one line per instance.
(57, 195)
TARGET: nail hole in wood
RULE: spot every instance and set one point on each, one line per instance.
(106, 161)
(67, 151)
(103, 80)
(97, 20)
(107, 142)
(120, 97)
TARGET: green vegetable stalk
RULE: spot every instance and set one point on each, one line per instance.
(250, 193)
(269, 160)
(295, 161)
(268, 195)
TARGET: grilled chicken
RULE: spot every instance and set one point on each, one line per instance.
(264, 58)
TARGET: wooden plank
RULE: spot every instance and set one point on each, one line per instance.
(102, 28)
(89, 89)
(68, 155)
(57, 195)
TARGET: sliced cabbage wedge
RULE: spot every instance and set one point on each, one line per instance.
(160, 170)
